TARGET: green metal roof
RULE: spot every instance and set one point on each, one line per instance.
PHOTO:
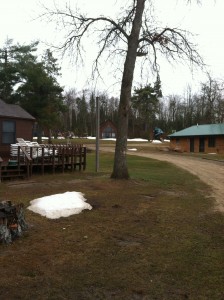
(198, 130)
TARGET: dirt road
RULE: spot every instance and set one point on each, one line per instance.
(209, 171)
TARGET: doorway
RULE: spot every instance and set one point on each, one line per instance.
(191, 144)
(201, 144)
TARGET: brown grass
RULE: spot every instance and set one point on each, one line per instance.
(151, 237)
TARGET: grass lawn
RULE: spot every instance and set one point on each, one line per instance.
(154, 236)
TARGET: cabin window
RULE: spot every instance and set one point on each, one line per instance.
(211, 141)
(8, 132)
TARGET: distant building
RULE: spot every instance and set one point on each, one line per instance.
(15, 122)
(108, 130)
(199, 138)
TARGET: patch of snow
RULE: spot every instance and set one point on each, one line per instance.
(156, 142)
(60, 205)
(114, 139)
(42, 138)
(132, 149)
(137, 140)
(109, 139)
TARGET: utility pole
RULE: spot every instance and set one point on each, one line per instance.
(97, 132)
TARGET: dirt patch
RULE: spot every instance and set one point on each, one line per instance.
(31, 184)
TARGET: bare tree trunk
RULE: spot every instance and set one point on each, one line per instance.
(120, 170)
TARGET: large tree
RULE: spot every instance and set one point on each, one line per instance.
(40, 94)
(31, 82)
(14, 59)
(132, 34)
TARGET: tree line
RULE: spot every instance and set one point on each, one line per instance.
(31, 81)
(148, 109)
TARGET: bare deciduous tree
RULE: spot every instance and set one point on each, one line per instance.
(139, 37)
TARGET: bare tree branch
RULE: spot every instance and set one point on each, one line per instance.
(172, 42)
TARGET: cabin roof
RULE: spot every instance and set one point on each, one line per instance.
(14, 111)
(200, 130)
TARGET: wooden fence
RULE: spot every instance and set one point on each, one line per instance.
(40, 157)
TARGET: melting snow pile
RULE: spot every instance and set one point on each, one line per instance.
(60, 205)
(156, 142)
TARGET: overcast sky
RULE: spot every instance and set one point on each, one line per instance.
(206, 21)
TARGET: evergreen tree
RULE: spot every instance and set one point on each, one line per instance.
(31, 83)
(145, 104)
(13, 62)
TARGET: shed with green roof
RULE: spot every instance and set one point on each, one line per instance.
(207, 138)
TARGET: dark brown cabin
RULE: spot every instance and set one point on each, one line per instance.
(15, 123)
(108, 130)
(20, 157)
